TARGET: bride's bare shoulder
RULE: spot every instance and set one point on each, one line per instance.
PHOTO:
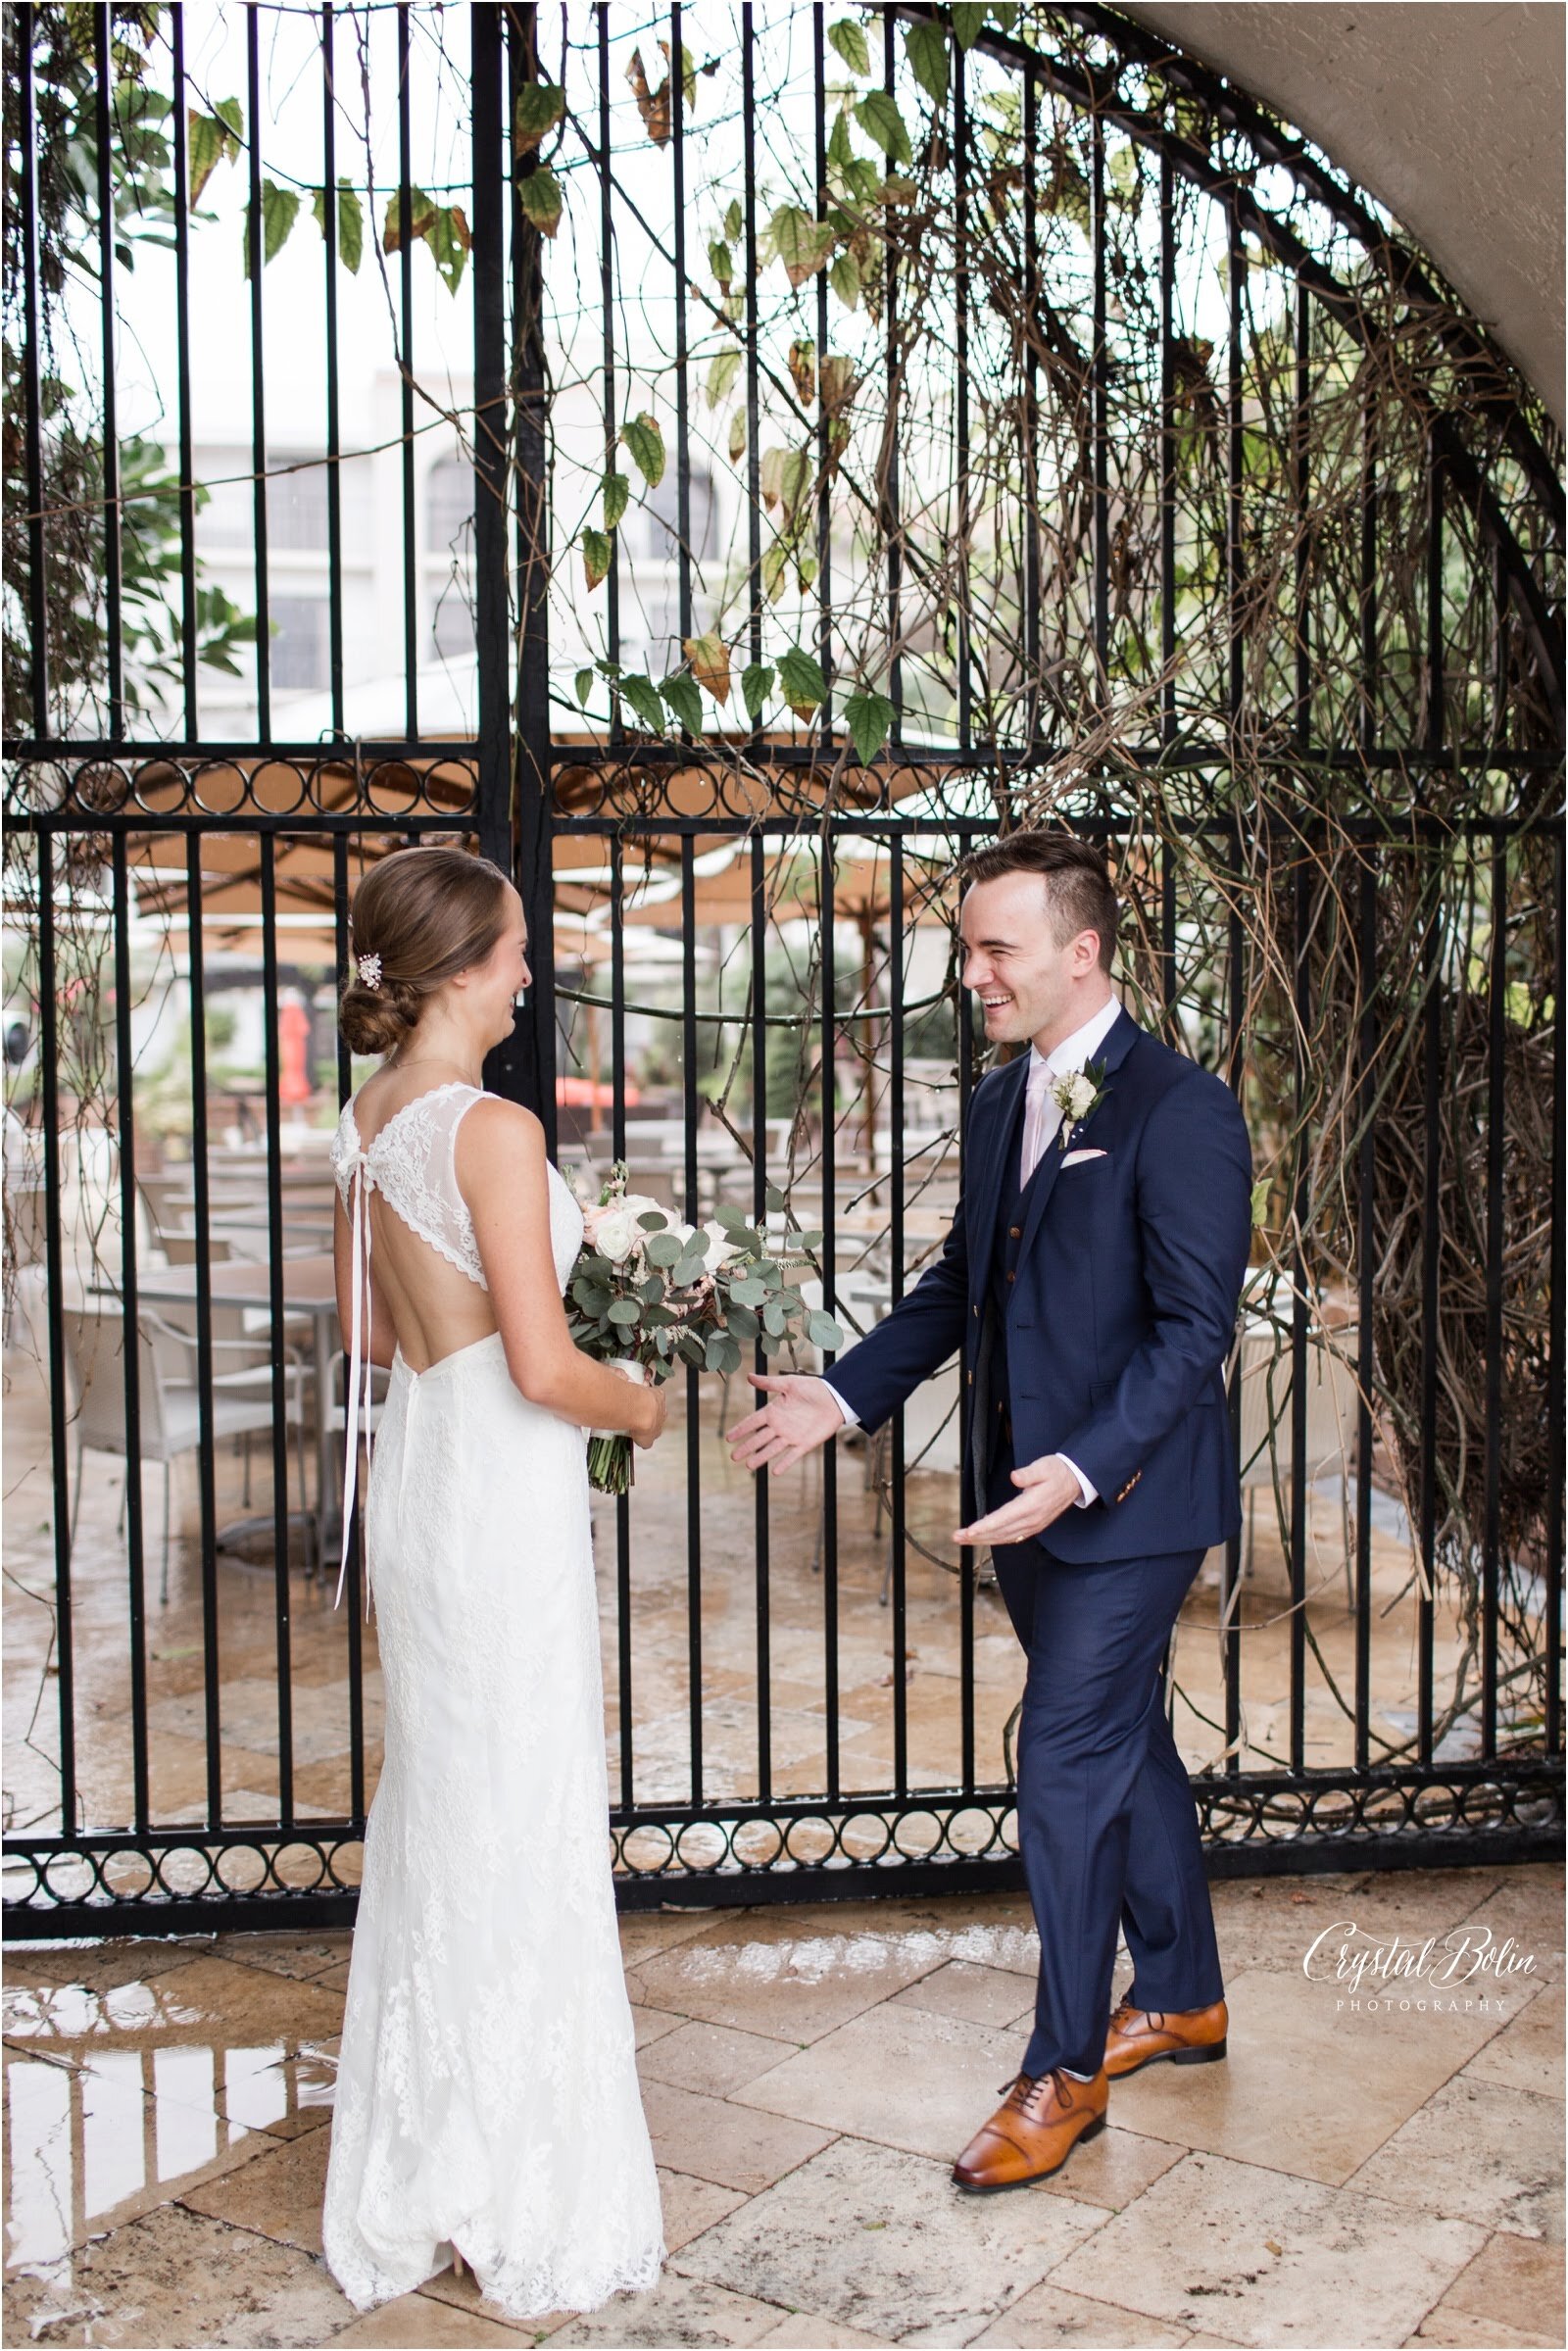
(495, 1132)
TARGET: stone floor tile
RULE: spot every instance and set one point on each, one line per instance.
(1528, 1904)
(1491, 2153)
(1270, 1921)
(982, 1995)
(92, 2147)
(904, 2076)
(645, 1932)
(806, 2331)
(203, 1999)
(101, 1965)
(178, 2277)
(1516, 2279)
(712, 2058)
(885, 2243)
(1261, 2258)
(1454, 2329)
(678, 2310)
(299, 1955)
(792, 1980)
(1528, 2053)
(461, 2294)
(1280, 2097)
(284, 2200)
(690, 2205)
(652, 2022)
(416, 2323)
(726, 2144)
(1047, 2315)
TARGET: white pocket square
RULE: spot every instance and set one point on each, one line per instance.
(1073, 1157)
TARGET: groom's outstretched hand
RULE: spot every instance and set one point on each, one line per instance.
(1046, 1488)
(798, 1417)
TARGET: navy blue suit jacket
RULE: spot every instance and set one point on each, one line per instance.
(1124, 1310)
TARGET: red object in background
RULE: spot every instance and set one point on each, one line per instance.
(583, 1093)
(293, 1041)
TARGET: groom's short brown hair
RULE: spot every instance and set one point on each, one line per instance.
(1079, 896)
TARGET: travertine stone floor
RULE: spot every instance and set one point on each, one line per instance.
(1351, 2175)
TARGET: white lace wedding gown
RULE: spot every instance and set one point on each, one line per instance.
(487, 2095)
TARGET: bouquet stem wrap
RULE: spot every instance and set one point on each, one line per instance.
(610, 1468)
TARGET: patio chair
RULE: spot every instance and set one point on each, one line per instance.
(170, 1411)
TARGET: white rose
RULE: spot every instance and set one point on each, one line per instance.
(1075, 1094)
(637, 1203)
(720, 1248)
(682, 1232)
(617, 1237)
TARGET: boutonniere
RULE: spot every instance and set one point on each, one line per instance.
(1075, 1095)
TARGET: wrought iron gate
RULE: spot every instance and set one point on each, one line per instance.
(974, 581)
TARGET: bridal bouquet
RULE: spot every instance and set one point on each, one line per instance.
(647, 1290)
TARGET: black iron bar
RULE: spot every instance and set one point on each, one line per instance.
(130, 1312)
(964, 1023)
(276, 1332)
(54, 1271)
(824, 499)
(1366, 1278)
(830, 1452)
(1496, 1143)
(206, 1453)
(1099, 421)
(187, 457)
(352, 1587)
(895, 982)
(754, 411)
(485, 43)
(104, 129)
(960, 330)
(684, 447)
(334, 481)
(256, 254)
(617, 1062)
(32, 384)
(762, 1363)
(606, 298)
(691, 1105)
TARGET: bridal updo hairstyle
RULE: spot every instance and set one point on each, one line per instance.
(1079, 893)
(427, 912)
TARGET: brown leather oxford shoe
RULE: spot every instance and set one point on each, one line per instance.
(1032, 2134)
(1137, 2036)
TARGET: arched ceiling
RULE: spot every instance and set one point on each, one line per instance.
(1450, 116)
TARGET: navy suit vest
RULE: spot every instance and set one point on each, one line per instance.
(1012, 1200)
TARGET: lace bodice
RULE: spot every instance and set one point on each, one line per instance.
(411, 1162)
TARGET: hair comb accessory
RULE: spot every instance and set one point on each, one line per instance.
(371, 971)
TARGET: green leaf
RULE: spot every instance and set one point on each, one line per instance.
(805, 686)
(774, 1317)
(722, 262)
(584, 681)
(661, 1248)
(1260, 1192)
(756, 683)
(421, 212)
(281, 209)
(646, 442)
(540, 107)
(722, 374)
(210, 139)
(597, 553)
(616, 491)
(624, 1310)
(734, 219)
(881, 121)
(869, 716)
(969, 22)
(680, 691)
(350, 225)
(539, 194)
(925, 45)
(776, 568)
(849, 39)
(644, 697)
(845, 280)
(801, 244)
(1005, 15)
(750, 1292)
(821, 1330)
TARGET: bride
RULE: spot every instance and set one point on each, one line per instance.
(487, 2107)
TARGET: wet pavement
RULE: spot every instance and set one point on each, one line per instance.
(1373, 2175)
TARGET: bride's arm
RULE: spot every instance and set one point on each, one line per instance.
(502, 1174)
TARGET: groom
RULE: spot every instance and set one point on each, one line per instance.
(1095, 1261)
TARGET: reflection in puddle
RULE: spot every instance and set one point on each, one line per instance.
(85, 2140)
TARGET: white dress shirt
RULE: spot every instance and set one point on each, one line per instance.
(1042, 1119)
